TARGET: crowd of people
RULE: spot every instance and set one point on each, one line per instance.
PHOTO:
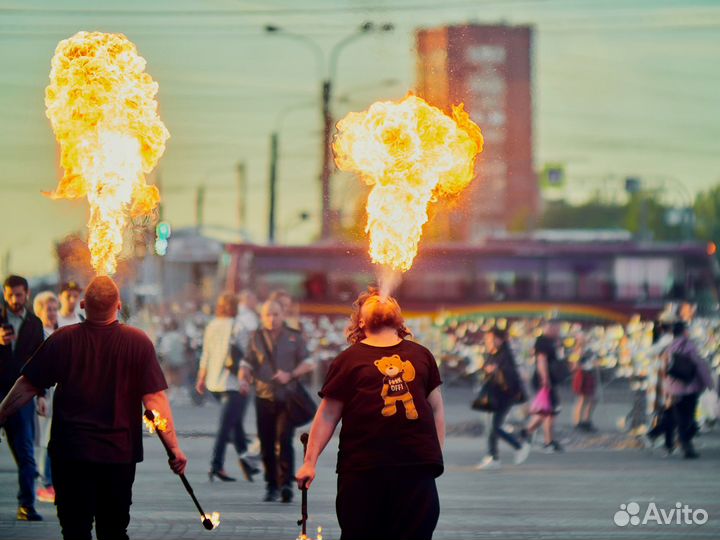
(242, 348)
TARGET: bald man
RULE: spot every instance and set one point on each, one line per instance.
(106, 372)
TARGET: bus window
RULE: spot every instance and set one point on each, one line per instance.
(561, 280)
(642, 278)
(499, 279)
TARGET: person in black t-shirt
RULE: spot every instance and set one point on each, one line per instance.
(545, 366)
(21, 333)
(385, 389)
(105, 372)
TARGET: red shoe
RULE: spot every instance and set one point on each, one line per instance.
(46, 495)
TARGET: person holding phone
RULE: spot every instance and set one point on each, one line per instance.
(21, 335)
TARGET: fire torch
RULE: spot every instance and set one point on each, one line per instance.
(157, 424)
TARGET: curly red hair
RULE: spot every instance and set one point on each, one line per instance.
(355, 333)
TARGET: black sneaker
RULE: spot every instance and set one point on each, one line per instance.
(287, 494)
(553, 447)
(271, 495)
(28, 513)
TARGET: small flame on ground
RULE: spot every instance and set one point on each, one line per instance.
(411, 154)
(157, 424)
(101, 105)
(214, 518)
(319, 535)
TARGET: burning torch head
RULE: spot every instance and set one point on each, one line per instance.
(210, 521)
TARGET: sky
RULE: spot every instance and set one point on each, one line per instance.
(621, 88)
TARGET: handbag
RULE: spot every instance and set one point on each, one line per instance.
(483, 401)
(232, 362)
(299, 405)
(489, 396)
(682, 368)
(542, 403)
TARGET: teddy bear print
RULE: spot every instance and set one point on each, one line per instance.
(397, 373)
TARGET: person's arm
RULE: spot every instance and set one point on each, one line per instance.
(158, 401)
(326, 419)
(20, 395)
(438, 408)
(204, 357)
(703, 369)
(306, 366)
(245, 371)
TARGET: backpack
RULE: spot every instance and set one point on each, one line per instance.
(682, 367)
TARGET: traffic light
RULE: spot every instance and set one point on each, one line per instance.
(162, 235)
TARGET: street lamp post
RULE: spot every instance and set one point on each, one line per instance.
(327, 74)
(274, 158)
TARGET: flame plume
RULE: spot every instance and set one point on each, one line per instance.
(102, 108)
(411, 154)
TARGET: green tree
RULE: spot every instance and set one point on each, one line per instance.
(707, 214)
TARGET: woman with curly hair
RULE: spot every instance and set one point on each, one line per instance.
(385, 389)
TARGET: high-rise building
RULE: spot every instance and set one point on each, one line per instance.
(489, 69)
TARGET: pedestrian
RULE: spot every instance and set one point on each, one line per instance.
(105, 372)
(171, 354)
(584, 385)
(658, 408)
(507, 391)
(247, 320)
(546, 378)
(276, 356)
(70, 292)
(687, 375)
(291, 312)
(45, 306)
(218, 373)
(21, 333)
(386, 390)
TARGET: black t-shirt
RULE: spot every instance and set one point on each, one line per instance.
(387, 420)
(545, 345)
(101, 372)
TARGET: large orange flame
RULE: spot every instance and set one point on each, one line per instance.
(410, 153)
(101, 105)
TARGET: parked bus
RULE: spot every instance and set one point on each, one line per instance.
(597, 278)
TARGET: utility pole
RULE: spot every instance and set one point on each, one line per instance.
(272, 195)
(327, 72)
(242, 193)
(199, 206)
(327, 164)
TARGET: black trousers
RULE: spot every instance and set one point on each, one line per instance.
(683, 419)
(87, 491)
(276, 443)
(20, 431)
(399, 503)
(230, 428)
(496, 431)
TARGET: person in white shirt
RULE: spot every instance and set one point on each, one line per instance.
(45, 306)
(218, 373)
(247, 319)
(69, 302)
